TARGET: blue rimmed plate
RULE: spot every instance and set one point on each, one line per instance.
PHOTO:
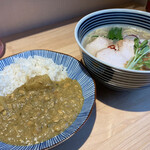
(75, 71)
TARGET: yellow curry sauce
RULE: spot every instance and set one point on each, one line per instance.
(39, 110)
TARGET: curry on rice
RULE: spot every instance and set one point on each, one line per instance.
(39, 110)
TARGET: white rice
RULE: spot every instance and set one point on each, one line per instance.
(16, 74)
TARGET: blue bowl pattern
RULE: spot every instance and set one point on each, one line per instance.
(75, 71)
(115, 77)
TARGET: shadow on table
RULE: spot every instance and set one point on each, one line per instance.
(78, 139)
(134, 100)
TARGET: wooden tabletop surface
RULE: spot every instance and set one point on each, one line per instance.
(119, 120)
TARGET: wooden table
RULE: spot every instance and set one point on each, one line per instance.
(119, 120)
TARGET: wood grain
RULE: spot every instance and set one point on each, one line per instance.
(119, 121)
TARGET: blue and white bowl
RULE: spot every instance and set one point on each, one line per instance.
(75, 71)
(114, 77)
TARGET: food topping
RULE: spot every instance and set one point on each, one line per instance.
(39, 110)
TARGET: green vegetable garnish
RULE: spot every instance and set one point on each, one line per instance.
(142, 63)
(95, 36)
(140, 51)
(115, 34)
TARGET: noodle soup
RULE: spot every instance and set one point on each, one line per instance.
(122, 46)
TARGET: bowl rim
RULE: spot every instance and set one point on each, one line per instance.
(89, 114)
(101, 12)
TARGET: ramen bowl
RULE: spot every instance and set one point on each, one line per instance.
(114, 77)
